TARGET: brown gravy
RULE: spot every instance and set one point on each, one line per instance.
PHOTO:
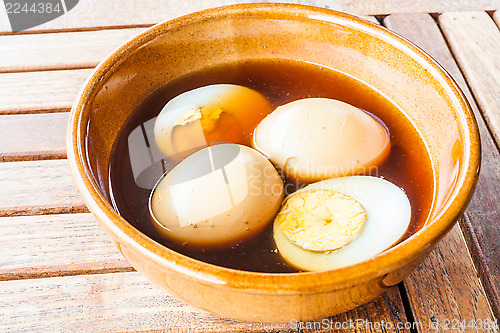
(281, 81)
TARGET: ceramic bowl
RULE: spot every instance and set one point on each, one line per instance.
(429, 97)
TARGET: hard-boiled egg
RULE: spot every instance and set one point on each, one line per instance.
(214, 113)
(318, 138)
(340, 222)
(217, 196)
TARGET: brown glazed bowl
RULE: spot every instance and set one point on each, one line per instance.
(400, 70)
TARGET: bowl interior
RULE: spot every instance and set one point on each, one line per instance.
(380, 59)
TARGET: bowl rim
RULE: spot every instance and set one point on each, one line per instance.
(284, 283)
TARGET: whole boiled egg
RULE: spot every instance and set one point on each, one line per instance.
(313, 139)
(217, 196)
(207, 115)
(340, 222)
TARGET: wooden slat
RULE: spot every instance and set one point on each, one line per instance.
(444, 290)
(475, 41)
(481, 234)
(382, 7)
(44, 91)
(128, 302)
(385, 314)
(114, 13)
(33, 136)
(51, 245)
(60, 50)
(38, 187)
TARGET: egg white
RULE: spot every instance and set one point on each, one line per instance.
(388, 216)
(312, 139)
(217, 196)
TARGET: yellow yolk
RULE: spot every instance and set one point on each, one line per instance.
(212, 114)
(321, 220)
(209, 118)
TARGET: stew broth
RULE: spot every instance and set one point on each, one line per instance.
(281, 81)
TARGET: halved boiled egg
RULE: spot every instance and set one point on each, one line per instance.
(340, 222)
(319, 138)
(217, 196)
(214, 113)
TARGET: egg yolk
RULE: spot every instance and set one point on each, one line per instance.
(204, 126)
(219, 126)
(212, 114)
(209, 118)
(340, 222)
(321, 220)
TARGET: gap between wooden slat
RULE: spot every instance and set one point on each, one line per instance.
(480, 256)
(408, 308)
(33, 31)
(34, 111)
(496, 18)
(39, 272)
(46, 69)
(483, 208)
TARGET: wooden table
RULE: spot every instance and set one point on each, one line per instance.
(59, 272)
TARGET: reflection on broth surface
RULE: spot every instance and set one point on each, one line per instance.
(137, 163)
